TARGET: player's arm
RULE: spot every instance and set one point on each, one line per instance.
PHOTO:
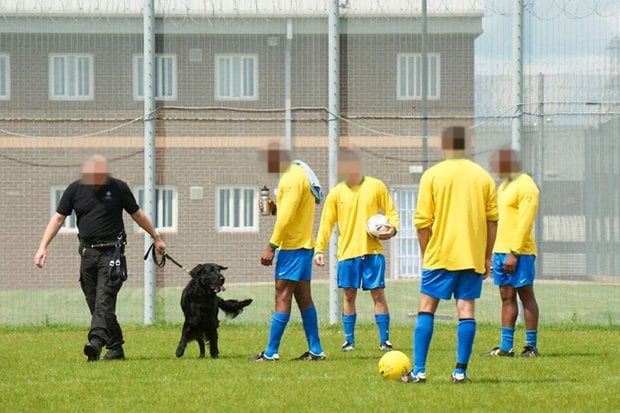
(424, 213)
(492, 217)
(528, 207)
(328, 220)
(389, 210)
(51, 230)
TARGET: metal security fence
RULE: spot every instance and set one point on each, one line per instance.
(230, 78)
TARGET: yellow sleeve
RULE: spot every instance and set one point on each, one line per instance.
(388, 208)
(491, 207)
(425, 208)
(528, 207)
(328, 220)
(289, 196)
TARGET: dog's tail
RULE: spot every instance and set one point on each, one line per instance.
(233, 308)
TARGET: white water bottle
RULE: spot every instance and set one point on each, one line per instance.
(264, 197)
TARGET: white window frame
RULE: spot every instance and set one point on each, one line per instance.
(407, 236)
(91, 77)
(7, 76)
(158, 82)
(243, 96)
(418, 93)
(70, 224)
(159, 201)
(254, 203)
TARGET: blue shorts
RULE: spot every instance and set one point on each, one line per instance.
(294, 265)
(524, 273)
(367, 272)
(443, 284)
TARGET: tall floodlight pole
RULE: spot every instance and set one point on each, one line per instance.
(149, 153)
(517, 74)
(333, 124)
(424, 86)
(288, 116)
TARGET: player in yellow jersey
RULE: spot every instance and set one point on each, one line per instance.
(299, 191)
(514, 253)
(456, 219)
(361, 262)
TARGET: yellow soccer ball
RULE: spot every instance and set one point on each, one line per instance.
(394, 364)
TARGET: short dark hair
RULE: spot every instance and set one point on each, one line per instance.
(348, 155)
(453, 138)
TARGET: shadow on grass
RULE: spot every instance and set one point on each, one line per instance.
(543, 380)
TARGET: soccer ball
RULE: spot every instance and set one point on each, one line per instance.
(394, 364)
(376, 225)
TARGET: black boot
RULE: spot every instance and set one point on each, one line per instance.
(92, 348)
(115, 353)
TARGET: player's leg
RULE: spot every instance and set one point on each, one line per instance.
(303, 297)
(525, 273)
(281, 316)
(373, 279)
(349, 279)
(508, 295)
(422, 335)
(466, 290)
(530, 315)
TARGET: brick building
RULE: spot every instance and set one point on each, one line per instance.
(71, 85)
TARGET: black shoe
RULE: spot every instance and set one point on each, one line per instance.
(411, 378)
(92, 349)
(459, 378)
(529, 351)
(498, 352)
(310, 356)
(262, 357)
(116, 353)
(386, 346)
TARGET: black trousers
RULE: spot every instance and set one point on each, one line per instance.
(100, 291)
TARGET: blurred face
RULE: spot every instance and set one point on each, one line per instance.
(505, 163)
(95, 171)
(350, 171)
(277, 160)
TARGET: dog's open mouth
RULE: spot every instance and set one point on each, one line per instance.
(218, 286)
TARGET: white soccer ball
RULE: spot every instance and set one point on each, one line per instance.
(377, 225)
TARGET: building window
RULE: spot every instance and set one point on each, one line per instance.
(71, 76)
(166, 208)
(165, 77)
(409, 76)
(236, 77)
(5, 77)
(70, 224)
(237, 209)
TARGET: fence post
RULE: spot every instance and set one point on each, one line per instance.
(149, 153)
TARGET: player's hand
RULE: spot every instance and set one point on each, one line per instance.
(391, 231)
(267, 258)
(270, 204)
(160, 245)
(510, 264)
(40, 257)
(319, 259)
(488, 267)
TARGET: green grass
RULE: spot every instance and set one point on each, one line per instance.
(588, 303)
(42, 369)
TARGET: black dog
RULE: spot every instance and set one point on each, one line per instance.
(201, 304)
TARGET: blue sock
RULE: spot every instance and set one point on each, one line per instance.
(278, 324)
(422, 335)
(508, 338)
(531, 338)
(465, 333)
(348, 323)
(311, 328)
(383, 324)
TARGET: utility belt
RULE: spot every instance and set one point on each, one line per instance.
(118, 262)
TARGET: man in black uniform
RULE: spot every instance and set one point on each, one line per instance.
(99, 201)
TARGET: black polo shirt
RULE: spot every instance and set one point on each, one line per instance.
(99, 211)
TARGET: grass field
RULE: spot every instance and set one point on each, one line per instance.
(587, 303)
(42, 369)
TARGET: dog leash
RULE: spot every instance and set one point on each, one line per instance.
(161, 263)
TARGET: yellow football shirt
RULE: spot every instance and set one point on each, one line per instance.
(295, 216)
(351, 207)
(517, 204)
(455, 200)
